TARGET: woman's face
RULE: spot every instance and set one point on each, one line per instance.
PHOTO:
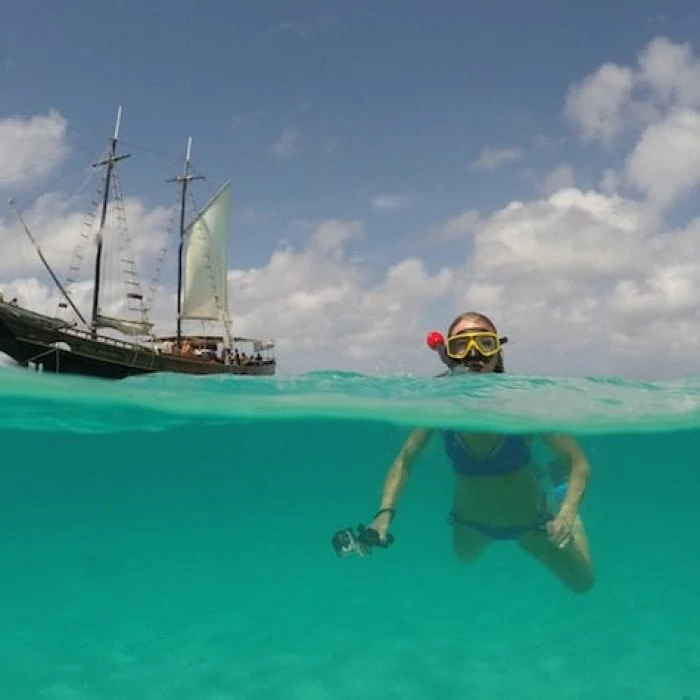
(476, 363)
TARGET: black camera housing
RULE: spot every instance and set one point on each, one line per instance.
(347, 542)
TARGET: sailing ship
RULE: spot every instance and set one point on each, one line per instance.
(76, 345)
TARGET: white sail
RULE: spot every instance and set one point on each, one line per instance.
(204, 261)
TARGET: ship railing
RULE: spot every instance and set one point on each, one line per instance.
(267, 355)
(87, 335)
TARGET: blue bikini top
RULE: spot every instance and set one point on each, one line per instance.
(509, 455)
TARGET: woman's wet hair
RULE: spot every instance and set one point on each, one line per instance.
(500, 366)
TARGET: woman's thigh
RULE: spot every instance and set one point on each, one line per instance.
(571, 564)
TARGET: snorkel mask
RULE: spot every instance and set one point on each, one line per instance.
(458, 350)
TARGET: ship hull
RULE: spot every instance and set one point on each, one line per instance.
(46, 344)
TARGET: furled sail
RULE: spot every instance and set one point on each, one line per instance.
(205, 267)
(135, 328)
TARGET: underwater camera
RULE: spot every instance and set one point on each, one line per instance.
(346, 542)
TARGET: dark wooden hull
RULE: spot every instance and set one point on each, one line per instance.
(44, 343)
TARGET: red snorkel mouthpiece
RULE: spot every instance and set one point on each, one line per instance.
(435, 339)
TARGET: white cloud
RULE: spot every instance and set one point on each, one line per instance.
(616, 99)
(668, 289)
(658, 101)
(598, 105)
(324, 308)
(671, 72)
(491, 158)
(546, 269)
(31, 147)
(330, 236)
(573, 279)
(458, 226)
(61, 231)
(561, 178)
(665, 163)
(391, 202)
(610, 181)
(571, 234)
(287, 144)
(586, 282)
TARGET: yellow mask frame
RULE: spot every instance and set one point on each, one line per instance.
(486, 343)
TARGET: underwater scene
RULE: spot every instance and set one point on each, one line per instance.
(171, 537)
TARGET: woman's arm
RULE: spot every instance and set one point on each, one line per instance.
(397, 476)
(568, 448)
(398, 472)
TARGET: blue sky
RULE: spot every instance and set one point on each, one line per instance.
(363, 101)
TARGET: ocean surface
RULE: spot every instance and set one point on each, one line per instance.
(169, 537)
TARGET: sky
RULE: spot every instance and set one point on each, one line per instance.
(393, 165)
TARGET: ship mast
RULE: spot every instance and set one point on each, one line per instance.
(184, 181)
(110, 161)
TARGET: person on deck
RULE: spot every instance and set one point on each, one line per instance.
(498, 493)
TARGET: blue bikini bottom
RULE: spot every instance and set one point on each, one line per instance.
(513, 532)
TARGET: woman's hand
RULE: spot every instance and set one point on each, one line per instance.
(381, 524)
(560, 528)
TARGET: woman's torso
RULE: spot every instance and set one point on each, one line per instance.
(495, 481)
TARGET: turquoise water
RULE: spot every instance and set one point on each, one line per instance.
(169, 538)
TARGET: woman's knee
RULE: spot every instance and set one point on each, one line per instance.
(581, 583)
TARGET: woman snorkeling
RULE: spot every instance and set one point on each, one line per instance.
(498, 492)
